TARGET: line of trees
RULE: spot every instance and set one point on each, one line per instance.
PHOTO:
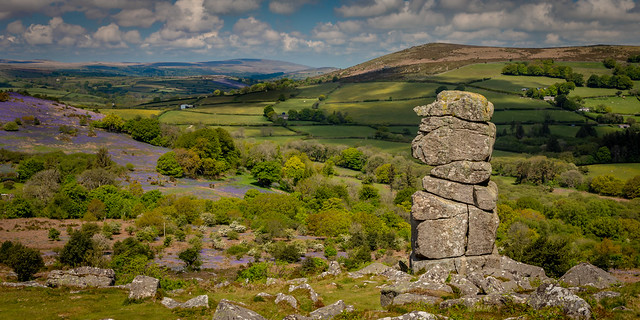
(544, 68)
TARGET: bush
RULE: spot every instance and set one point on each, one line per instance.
(54, 234)
(311, 266)
(330, 251)
(24, 261)
(78, 251)
(255, 272)
(11, 126)
(191, 257)
(282, 251)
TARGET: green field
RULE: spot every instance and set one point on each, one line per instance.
(586, 68)
(395, 148)
(503, 101)
(626, 105)
(516, 83)
(471, 73)
(337, 131)
(255, 109)
(622, 171)
(128, 114)
(314, 91)
(256, 132)
(380, 112)
(352, 92)
(557, 130)
(294, 104)
(587, 92)
(186, 117)
(505, 117)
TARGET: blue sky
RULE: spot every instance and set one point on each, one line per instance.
(311, 32)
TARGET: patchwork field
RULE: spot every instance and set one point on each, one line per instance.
(626, 105)
(192, 117)
(504, 117)
(336, 131)
(127, 114)
(622, 171)
(352, 92)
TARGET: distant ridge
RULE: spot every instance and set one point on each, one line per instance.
(233, 67)
(432, 58)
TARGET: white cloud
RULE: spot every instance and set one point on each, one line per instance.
(141, 17)
(378, 7)
(15, 27)
(552, 39)
(232, 6)
(408, 18)
(286, 6)
(39, 34)
(109, 35)
(330, 33)
(606, 10)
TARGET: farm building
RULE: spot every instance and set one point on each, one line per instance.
(185, 106)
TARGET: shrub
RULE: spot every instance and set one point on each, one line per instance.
(54, 234)
(282, 251)
(24, 261)
(78, 250)
(11, 126)
(311, 266)
(191, 257)
(330, 251)
(255, 272)
(607, 185)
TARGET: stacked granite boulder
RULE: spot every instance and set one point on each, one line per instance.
(454, 216)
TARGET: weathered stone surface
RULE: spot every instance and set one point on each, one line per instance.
(442, 238)
(32, 284)
(468, 302)
(488, 284)
(297, 281)
(229, 311)
(463, 285)
(330, 311)
(407, 298)
(521, 269)
(264, 295)
(461, 265)
(290, 300)
(380, 269)
(482, 231)
(201, 301)
(470, 172)
(448, 189)
(81, 277)
(333, 270)
(550, 295)
(485, 198)
(605, 294)
(437, 273)
(465, 105)
(388, 293)
(414, 315)
(443, 140)
(427, 206)
(143, 287)
(272, 281)
(586, 274)
(305, 286)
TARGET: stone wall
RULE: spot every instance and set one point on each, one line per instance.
(454, 216)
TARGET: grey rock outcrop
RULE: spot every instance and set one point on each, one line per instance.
(586, 274)
(229, 311)
(82, 277)
(455, 214)
(333, 270)
(290, 300)
(550, 295)
(143, 287)
(330, 311)
(415, 315)
(470, 172)
(201, 301)
(605, 295)
(465, 105)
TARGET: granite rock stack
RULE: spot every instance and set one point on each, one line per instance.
(454, 216)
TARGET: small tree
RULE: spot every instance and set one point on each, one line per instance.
(168, 165)
(54, 234)
(24, 261)
(266, 172)
(191, 257)
(78, 250)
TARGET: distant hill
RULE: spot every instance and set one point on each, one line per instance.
(260, 68)
(432, 58)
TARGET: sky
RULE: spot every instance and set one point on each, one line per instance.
(316, 33)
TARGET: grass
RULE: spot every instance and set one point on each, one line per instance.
(587, 92)
(516, 83)
(586, 68)
(255, 109)
(471, 72)
(622, 171)
(314, 91)
(557, 130)
(266, 131)
(395, 148)
(380, 112)
(537, 116)
(127, 114)
(626, 105)
(382, 91)
(503, 101)
(39, 303)
(294, 104)
(190, 117)
(337, 131)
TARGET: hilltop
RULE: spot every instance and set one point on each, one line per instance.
(433, 58)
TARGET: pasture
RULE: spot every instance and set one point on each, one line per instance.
(380, 112)
(622, 171)
(515, 84)
(337, 131)
(503, 101)
(626, 105)
(536, 116)
(470, 73)
(352, 92)
(294, 104)
(313, 91)
(190, 117)
(255, 109)
(128, 114)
